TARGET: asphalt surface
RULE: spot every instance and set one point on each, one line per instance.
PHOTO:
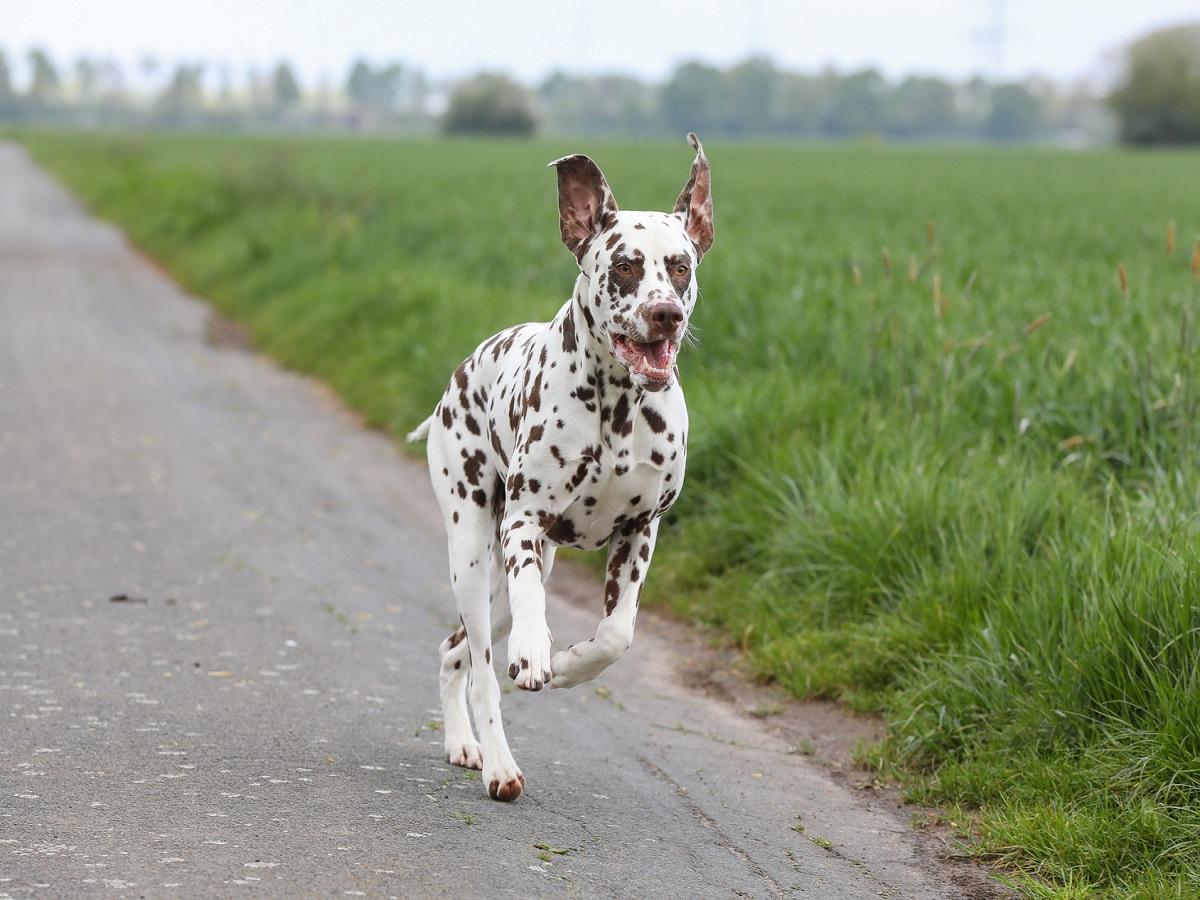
(258, 716)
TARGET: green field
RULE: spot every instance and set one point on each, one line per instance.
(943, 466)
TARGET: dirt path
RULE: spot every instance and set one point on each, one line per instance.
(221, 605)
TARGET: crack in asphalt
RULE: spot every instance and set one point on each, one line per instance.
(708, 822)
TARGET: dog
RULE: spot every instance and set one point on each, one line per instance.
(568, 433)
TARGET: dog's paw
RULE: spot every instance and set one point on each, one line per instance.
(465, 753)
(578, 663)
(504, 785)
(529, 660)
(563, 670)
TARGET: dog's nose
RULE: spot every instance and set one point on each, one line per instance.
(664, 317)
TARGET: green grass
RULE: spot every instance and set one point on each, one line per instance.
(981, 527)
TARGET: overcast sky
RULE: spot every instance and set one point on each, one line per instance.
(1064, 39)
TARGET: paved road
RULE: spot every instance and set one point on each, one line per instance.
(259, 717)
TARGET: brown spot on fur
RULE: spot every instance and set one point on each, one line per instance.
(535, 394)
(516, 482)
(657, 424)
(535, 435)
(615, 562)
(473, 466)
(681, 281)
(562, 531)
(621, 422)
(626, 282)
(568, 332)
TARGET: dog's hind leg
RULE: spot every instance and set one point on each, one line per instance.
(462, 749)
(471, 536)
(471, 549)
(628, 561)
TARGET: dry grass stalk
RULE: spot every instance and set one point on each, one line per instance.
(930, 232)
(1037, 323)
(1196, 262)
(857, 274)
(1171, 238)
(939, 302)
(1123, 279)
(887, 264)
(914, 271)
(1069, 362)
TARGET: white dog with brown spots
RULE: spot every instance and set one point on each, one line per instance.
(570, 433)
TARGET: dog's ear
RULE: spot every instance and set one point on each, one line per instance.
(695, 200)
(585, 203)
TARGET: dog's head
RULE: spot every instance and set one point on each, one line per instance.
(640, 266)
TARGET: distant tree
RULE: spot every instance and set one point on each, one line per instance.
(8, 97)
(259, 89)
(110, 86)
(285, 90)
(360, 85)
(418, 92)
(1157, 99)
(87, 78)
(183, 98)
(388, 88)
(922, 107)
(691, 100)
(802, 101)
(225, 92)
(44, 83)
(1016, 114)
(597, 105)
(490, 104)
(749, 95)
(856, 105)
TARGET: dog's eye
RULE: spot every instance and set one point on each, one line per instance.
(624, 268)
(682, 269)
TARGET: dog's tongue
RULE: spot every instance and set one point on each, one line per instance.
(656, 359)
(658, 353)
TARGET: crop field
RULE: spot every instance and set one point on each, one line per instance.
(944, 448)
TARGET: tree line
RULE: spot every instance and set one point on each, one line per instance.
(1155, 100)
(191, 95)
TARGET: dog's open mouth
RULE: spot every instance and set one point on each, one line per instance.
(654, 360)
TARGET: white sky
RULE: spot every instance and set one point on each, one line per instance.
(1063, 39)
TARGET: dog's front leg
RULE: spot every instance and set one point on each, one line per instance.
(628, 562)
(529, 642)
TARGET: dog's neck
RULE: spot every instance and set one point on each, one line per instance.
(596, 367)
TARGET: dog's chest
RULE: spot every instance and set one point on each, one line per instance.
(617, 485)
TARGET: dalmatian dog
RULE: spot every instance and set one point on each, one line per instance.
(568, 433)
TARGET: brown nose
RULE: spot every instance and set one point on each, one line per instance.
(664, 317)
